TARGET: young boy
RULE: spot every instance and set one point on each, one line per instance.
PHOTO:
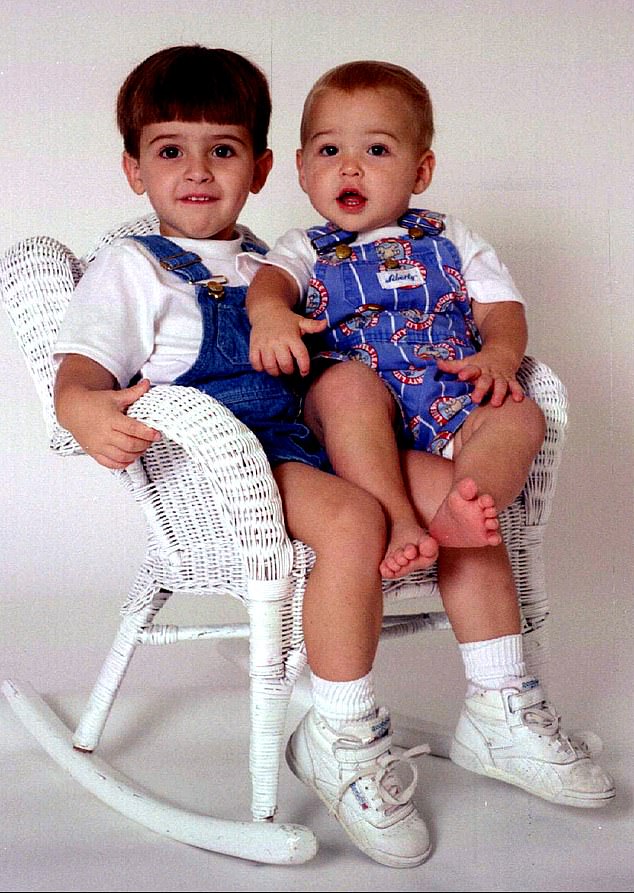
(440, 330)
(194, 123)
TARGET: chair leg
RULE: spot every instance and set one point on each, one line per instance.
(97, 710)
(270, 614)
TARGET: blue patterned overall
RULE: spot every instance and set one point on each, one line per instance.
(398, 305)
(268, 406)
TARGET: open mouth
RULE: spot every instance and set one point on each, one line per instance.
(351, 200)
(197, 199)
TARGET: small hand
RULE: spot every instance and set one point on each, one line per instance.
(277, 342)
(491, 372)
(103, 429)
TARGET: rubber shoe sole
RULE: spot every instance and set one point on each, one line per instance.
(465, 758)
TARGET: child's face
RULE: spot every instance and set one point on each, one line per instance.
(197, 175)
(361, 163)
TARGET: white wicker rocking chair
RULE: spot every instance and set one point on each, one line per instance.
(215, 526)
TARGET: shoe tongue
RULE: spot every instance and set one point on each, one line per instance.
(371, 729)
(380, 726)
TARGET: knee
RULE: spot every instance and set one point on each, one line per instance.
(359, 519)
(365, 513)
(359, 384)
(533, 422)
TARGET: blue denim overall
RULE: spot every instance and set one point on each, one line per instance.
(268, 406)
(398, 305)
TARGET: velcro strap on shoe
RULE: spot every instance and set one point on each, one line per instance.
(525, 699)
(349, 754)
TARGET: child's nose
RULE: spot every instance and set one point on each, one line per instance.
(350, 164)
(199, 169)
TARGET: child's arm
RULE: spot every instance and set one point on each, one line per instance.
(89, 405)
(276, 330)
(502, 327)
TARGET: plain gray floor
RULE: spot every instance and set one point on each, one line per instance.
(175, 740)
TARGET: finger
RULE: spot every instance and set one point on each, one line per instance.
(500, 390)
(482, 388)
(131, 446)
(127, 396)
(113, 464)
(453, 366)
(284, 358)
(517, 391)
(309, 326)
(134, 428)
(106, 462)
(255, 359)
(269, 362)
(302, 358)
(470, 372)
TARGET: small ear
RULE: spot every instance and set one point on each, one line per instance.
(299, 164)
(132, 170)
(425, 171)
(261, 171)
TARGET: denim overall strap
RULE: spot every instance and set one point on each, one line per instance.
(323, 242)
(222, 368)
(184, 264)
(416, 219)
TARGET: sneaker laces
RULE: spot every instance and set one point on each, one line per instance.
(544, 720)
(387, 795)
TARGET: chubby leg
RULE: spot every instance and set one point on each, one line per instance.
(343, 603)
(476, 584)
(525, 746)
(352, 413)
(341, 748)
(493, 452)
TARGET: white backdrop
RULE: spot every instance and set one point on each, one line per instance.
(533, 106)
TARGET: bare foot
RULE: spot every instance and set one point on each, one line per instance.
(410, 549)
(466, 519)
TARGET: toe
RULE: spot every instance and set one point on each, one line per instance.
(467, 488)
(410, 551)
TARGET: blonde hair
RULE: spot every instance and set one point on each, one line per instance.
(372, 75)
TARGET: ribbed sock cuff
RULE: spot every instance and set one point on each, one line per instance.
(494, 663)
(340, 702)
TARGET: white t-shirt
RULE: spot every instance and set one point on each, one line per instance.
(129, 314)
(488, 280)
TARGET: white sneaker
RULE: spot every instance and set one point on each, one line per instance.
(513, 735)
(350, 770)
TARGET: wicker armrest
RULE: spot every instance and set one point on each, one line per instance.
(544, 387)
(235, 469)
(37, 278)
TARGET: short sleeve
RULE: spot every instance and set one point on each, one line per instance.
(488, 280)
(292, 252)
(111, 317)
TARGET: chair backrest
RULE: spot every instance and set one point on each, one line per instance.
(37, 279)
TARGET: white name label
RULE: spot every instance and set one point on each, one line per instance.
(404, 277)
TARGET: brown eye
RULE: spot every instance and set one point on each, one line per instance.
(170, 152)
(223, 151)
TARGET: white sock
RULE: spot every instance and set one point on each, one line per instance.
(494, 663)
(342, 702)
